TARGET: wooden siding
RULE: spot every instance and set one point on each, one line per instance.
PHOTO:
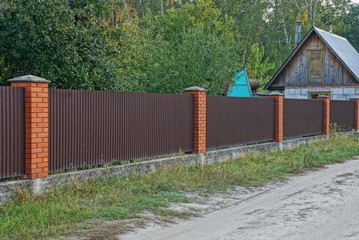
(296, 72)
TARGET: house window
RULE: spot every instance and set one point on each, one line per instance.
(315, 66)
(314, 95)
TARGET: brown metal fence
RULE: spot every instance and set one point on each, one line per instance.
(342, 114)
(302, 118)
(89, 128)
(234, 121)
(12, 132)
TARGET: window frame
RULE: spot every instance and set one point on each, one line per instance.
(309, 62)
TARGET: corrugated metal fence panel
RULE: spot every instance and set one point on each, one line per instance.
(89, 128)
(12, 132)
(302, 118)
(342, 114)
(235, 121)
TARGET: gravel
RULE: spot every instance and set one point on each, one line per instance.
(317, 205)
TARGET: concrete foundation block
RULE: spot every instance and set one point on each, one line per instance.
(349, 91)
(7, 189)
(337, 91)
(339, 97)
(304, 92)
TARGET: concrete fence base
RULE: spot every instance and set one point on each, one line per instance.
(8, 188)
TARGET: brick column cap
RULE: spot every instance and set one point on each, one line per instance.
(267, 94)
(275, 94)
(354, 98)
(36, 124)
(29, 78)
(195, 89)
(323, 97)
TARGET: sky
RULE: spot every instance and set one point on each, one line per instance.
(356, 1)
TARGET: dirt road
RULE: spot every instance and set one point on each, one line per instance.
(318, 205)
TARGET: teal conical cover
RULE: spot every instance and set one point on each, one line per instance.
(240, 87)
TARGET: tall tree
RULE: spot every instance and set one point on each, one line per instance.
(60, 40)
(189, 45)
(352, 32)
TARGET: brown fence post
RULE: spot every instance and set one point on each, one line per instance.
(278, 98)
(326, 113)
(36, 124)
(356, 113)
(200, 106)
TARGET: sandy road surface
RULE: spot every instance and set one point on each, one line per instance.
(319, 205)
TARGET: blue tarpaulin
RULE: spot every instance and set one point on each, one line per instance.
(241, 86)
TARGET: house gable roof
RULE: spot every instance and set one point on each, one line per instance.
(340, 46)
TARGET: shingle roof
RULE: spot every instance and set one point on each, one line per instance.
(340, 46)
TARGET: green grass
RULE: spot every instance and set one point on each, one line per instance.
(56, 212)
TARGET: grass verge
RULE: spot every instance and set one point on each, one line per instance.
(108, 198)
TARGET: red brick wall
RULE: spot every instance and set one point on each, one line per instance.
(278, 136)
(326, 114)
(200, 106)
(36, 127)
(356, 113)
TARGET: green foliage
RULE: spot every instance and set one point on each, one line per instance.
(57, 39)
(187, 46)
(333, 12)
(158, 46)
(257, 65)
(352, 21)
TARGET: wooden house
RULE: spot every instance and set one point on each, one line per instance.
(322, 64)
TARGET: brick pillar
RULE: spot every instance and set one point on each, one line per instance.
(326, 114)
(36, 124)
(278, 98)
(356, 113)
(200, 105)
